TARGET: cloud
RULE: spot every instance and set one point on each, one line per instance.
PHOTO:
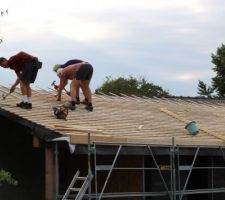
(193, 76)
(169, 41)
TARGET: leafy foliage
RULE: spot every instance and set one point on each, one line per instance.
(131, 86)
(205, 90)
(218, 82)
(7, 177)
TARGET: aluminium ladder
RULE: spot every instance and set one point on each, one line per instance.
(81, 190)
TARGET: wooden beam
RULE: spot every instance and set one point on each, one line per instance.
(36, 142)
(176, 116)
(213, 133)
(83, 139)
(77, 128)
(50, 179)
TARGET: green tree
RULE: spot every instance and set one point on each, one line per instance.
(131, 86)
(204, 90)
(7, 177)
(218, 82)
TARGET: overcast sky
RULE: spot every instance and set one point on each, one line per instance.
(168, 42)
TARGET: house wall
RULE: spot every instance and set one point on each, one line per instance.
(25, 163)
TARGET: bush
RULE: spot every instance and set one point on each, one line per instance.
(7, 178)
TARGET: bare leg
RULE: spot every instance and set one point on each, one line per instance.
(86, 90)
(87, 94)
(74, 89)
(29, 91)
(23, 88)
(26, 95)
(83, 90)
(78, 91)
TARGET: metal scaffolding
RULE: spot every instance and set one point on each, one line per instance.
(173, 189)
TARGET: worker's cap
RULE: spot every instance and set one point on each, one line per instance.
(2, 59)
(56, 67)
(59, 71)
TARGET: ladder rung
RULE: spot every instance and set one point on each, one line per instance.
(103, 167)
(80, 191)
(81, 178)
(75, 189)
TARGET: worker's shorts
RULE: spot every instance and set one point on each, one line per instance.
(30, 70)
(85, 72)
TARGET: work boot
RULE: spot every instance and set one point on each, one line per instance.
(77, 100)
(27, 105)
(21, 104)
(85, 102)
(69, 105)
(89, 107)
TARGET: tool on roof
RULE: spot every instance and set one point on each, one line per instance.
(210, 132)
(5, 95)
(60, 112)
(192, 128)
(57, 86)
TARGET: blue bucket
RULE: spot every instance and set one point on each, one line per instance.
(192, 128)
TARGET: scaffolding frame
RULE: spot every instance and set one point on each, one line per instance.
(174, 192)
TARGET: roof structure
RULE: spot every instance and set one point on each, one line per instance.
(125, 119)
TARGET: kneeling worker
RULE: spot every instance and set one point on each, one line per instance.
(81, 75)
(70, 62)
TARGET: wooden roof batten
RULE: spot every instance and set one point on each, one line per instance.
(217, 135)
(127, 119)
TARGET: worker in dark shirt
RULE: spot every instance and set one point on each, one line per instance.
(26, 68)
(80, 74)
(70, 62)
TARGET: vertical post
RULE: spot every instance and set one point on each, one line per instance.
(212, 175)
(171, 175)
(178, 167)
(143, 175)
(50, 189)
(56, 170)
(89, 166)
(172, 170)
(96, 180)
(36, 142)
